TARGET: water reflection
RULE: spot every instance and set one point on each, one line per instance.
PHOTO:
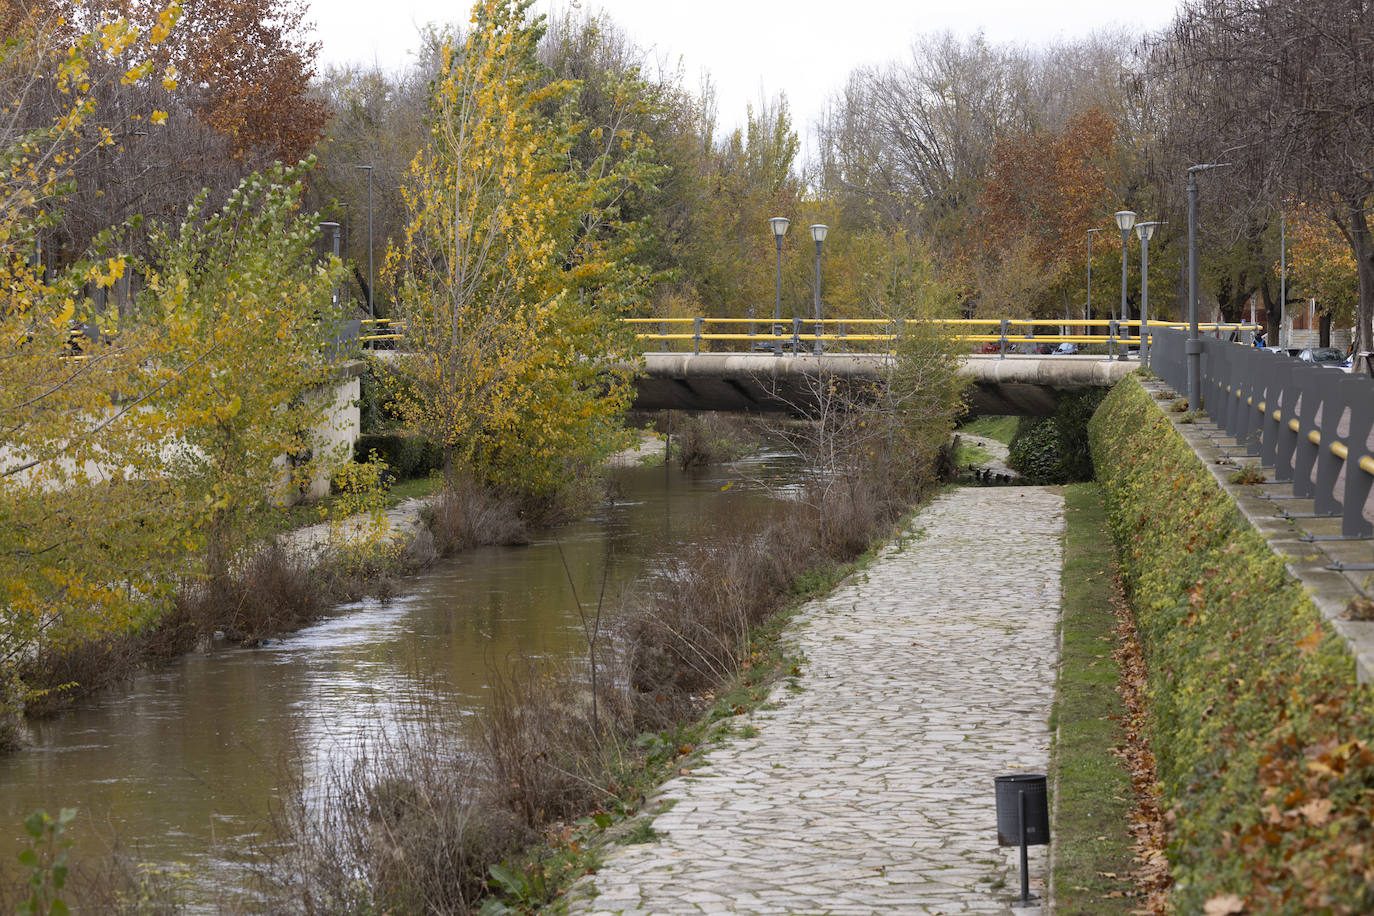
(182, 765)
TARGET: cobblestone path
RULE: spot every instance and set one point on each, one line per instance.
(869, 785)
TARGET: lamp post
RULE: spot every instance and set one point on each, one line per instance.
(818, 232)
(779, 224)
(1283, 279)
(1088, 309)
(1193, 348)
(1143, 231)
(1125, 220)
(371, 312)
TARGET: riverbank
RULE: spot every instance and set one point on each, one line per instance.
(863, 783)
(571, 746)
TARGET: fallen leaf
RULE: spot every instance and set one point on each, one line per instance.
(1224, 906)
(1317, 811)
(1308, 644)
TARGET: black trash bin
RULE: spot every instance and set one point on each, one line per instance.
(1009, 790)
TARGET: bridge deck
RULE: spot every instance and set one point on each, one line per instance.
(762, 382)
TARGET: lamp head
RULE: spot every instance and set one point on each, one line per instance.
(1145, 231)
(1125, 219)
(818, 231)
(780, 224)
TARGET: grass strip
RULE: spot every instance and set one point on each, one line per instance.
(1000, 428)
(1092, 790)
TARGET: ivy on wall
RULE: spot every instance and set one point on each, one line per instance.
(1265, 743)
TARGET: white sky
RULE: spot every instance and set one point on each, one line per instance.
(753, 48)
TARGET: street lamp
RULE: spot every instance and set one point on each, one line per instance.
(371, 313)
(818, 232)
(1283, 279)
(779, 224)
(1194, 346)
(1143, 231)
(1125, 219)
(1088, 309)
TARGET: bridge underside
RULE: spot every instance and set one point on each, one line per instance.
(764, 383)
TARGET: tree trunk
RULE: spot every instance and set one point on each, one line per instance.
(1363, 247)
(1271, 314)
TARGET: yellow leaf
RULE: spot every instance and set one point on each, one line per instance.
(158, 117)
(1308, 644)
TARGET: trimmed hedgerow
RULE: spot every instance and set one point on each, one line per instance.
(1262, 736)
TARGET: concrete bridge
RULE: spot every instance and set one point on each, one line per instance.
(765, 383)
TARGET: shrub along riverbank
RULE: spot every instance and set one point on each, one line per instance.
(1262, 737)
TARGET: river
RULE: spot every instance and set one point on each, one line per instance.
(181, 766)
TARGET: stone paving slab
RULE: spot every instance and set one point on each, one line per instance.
(869, 786)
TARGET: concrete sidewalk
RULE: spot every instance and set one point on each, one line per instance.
(869, 787)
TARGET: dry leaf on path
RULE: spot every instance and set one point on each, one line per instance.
(1224, 906)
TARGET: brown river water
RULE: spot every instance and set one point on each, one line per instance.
(181, 766)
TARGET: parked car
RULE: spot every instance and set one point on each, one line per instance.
(1285, 351)
(1067, 348)
(1326, 357)
(990, 346)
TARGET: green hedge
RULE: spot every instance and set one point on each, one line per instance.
(1261, 737)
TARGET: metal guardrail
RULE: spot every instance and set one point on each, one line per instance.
(861, 334)
(1308, 423)
(802, 334)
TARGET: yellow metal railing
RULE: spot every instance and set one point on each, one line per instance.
(803, 334)
(860, 334)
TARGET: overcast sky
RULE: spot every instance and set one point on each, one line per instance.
(753, 48)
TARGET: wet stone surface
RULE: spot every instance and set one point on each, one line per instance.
(869, 785)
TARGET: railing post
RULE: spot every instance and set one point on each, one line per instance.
(1309, 378)
(1286, 442)
(1002, 354)
(1328, 464)
(696, 336)
(796, 335)
(1355, 392)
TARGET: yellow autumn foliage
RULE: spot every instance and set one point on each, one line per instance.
(514, 268)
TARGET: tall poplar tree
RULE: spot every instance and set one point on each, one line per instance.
(516, 265)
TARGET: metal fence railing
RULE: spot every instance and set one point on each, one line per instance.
(1311, 425)
(1001, 336)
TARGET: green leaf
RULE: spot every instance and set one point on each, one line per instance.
(511, 882)
(494, 907)
(34, 824)
(602, 820)
(58, 909)
(59, 876)
(28, 857)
